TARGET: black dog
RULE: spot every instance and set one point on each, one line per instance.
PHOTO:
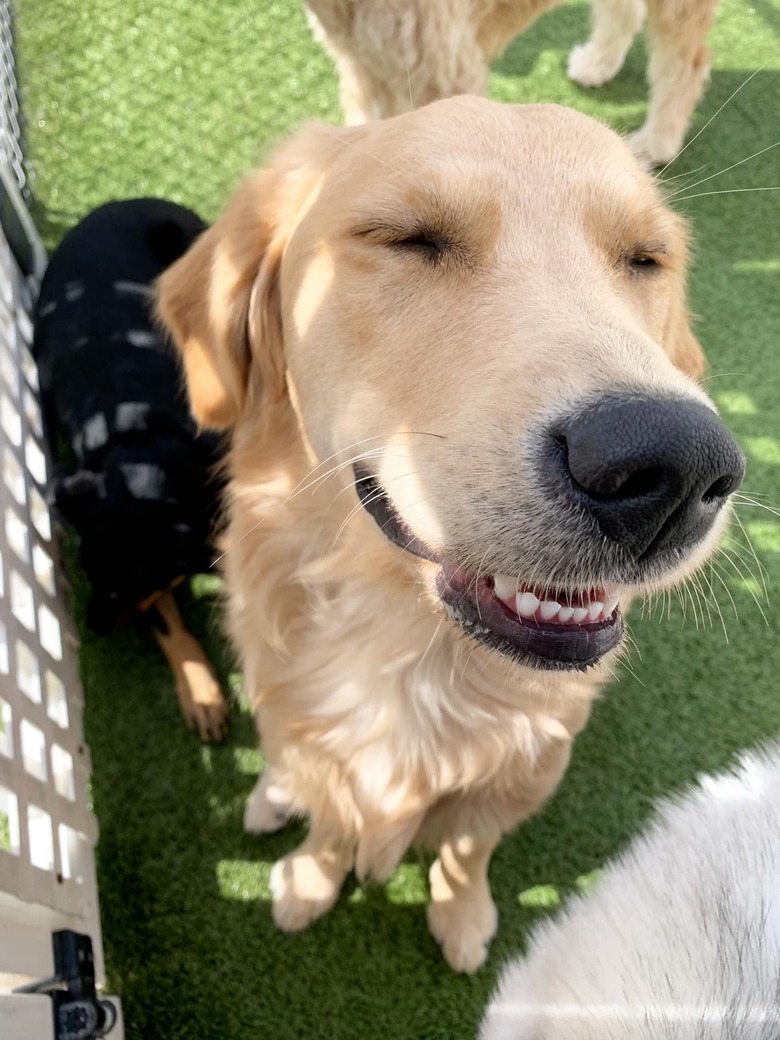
(139, 486)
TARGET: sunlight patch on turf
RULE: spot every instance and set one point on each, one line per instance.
(540, 897)
(248, 760)
(408, 886)
(204, 586)
(585, 882)
(243, 882)
(763, 449)
(765, 535)
(757, 266)
(735, 403)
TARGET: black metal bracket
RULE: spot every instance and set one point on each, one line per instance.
(79, 1014)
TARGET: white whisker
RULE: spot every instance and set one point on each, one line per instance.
(733, 166)
(728, 99)
(724, 191)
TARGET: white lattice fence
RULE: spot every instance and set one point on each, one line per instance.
(46, 828)
(47, 831)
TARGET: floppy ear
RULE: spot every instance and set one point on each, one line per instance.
(204, 298)
(220, 301)
(680, 343)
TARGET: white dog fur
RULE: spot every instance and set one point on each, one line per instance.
(681, 939)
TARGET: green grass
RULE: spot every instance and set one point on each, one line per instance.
(178, 99)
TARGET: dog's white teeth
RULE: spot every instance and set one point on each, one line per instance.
(505, 587)
(548, 609)
(527, 604)
(610, 606)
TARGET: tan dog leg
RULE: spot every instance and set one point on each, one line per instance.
(201, 699)
(462, 916)
(615, 23)
(269, 806)
(678, 72)
(306, 883)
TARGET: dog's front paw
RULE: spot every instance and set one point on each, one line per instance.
(463, 926)
(655, 148)
(303, 889)
(269, 806)
(463, 931)
(590, 66)
(202, 701)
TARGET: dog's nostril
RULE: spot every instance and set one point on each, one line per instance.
(719, 489)
(604, 486)
(643, 482)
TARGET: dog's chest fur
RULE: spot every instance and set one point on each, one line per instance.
(371, 705)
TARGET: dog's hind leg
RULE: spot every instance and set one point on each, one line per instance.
(202, 702)
(615, 23)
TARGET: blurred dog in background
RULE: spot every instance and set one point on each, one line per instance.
(135, 478)
(395, 54)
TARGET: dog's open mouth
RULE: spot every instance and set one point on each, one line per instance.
(552, 629)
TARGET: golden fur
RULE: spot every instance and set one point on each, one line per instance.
(321, 341)
(392, 54)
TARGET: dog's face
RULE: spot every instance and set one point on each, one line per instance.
(479, 311)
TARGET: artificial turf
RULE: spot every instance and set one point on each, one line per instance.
(177, 99)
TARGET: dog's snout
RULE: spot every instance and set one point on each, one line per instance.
(653, 472)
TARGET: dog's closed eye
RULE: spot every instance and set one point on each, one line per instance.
(643, 260)
(428, 243)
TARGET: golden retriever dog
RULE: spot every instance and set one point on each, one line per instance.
(454, 353)
(395, 54)
(680, 940)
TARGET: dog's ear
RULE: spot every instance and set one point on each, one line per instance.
(204, 298)
(220, 301)
(679, 341)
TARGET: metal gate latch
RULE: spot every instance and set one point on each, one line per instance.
(78, 1012)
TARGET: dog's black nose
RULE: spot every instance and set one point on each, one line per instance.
(653, 472)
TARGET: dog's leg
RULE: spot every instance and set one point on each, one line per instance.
(678, 73)
(499, 23)
(614, 25)
(392, 58)
(201, 699)
(269, 806)
(306, 883)
(462, 916)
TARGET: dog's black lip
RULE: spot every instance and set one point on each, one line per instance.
(474, 607)
(376, 502)
(472, 603)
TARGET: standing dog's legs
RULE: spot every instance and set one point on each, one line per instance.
(678, 72)
(614, 25)
(201, 699)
